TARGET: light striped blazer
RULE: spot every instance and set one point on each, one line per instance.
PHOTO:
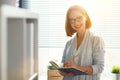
(91, 53)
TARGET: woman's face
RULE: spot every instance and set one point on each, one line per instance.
(77, 20)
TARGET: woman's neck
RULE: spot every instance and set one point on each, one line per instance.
(81, 34)
(80, 37)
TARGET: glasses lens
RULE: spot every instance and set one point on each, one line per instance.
(78, 19)
(72, 21)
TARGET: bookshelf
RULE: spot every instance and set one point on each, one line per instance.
(18, 44)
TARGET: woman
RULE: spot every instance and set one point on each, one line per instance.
(85, 51)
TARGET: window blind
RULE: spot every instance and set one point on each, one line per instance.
(105, 17)
(51, 22)
(109, 27)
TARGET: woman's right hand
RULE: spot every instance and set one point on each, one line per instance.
(66, 74)
(62, 73)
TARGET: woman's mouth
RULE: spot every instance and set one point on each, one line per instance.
(78, 26)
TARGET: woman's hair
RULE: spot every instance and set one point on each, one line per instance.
(69, 30)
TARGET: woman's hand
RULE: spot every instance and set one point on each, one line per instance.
(66, 74)
(69, 64)
(62, 73)
(87, 69)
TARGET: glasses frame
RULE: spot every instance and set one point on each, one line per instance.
(78, 19)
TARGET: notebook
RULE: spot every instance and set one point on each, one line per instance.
(68, 69)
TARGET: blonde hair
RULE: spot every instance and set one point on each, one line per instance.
(69, 30)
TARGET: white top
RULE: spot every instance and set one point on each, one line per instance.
(91, 53)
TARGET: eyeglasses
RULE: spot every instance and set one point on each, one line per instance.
(78, 19)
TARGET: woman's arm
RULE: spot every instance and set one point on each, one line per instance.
(98, 55)
(87, 69)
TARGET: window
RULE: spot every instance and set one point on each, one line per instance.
(104, 15)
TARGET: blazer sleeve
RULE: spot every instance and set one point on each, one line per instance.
(98, 55)
(65, 52)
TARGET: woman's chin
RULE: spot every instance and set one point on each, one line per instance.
(77, 28)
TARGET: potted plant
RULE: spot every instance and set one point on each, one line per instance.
(53, 73)
(116, 72)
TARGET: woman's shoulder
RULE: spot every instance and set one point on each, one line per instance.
(94, 36)
(70, 41)
(96, 39)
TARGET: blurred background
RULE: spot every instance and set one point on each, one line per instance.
(105, 17)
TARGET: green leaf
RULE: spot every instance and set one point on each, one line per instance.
(116, 69)
(52, 67)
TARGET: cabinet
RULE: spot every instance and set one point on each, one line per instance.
(18, 44)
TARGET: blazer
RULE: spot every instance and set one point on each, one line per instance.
(91, 53)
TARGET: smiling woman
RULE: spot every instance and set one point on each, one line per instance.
(91, 59)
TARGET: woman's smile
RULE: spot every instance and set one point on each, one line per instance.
(77, 27)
